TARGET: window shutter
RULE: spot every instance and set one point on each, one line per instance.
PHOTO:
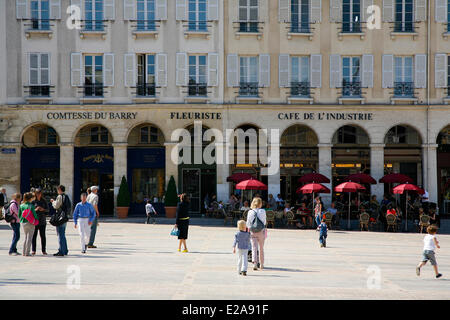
(365, 5)
(182, 72)
(420, 71)
(108, 70)
(441, 11)
(440, 70)
(388, 71)
(76, 69)
(22, 9)
(161, 74)
(129, 9)
(161, 10)
(181, 10)
(213, 10)
(232, 70)
(388, 10)
(284, 10)
(367, 71)
(213, 69)
(33, 66)
(264, 70)
(316, 10)
(55, 9)
(335, 71)
(263, 7)
(421, 10)
(336, 11)
(110, 10)
(79, 4)
(283, 70)
(130, 69)
(44, 65)
(316, 70)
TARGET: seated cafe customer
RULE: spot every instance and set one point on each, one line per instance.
(305, 214)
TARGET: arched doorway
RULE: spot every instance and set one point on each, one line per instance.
(443, 170)
(350, 154)
(146, 167)
(298, 156)
(40, 160)
(94, 165)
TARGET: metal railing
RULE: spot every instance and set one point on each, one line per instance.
(400, 26)
(300, 89)
(39, 91)
(351, 27)
(145, 25)
(300, 27)
(93, 25)
(93, 90)
(197, 26)
(248, 26)
(197, 90)
(351, 89)
(146, 90)
(248, 89)
(404, 89)
(40, 24)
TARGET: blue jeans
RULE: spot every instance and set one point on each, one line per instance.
(322, 238)
(16, 236)
(61, 232)
(93, 231)
(318, 220)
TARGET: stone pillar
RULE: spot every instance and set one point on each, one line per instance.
(66, 167)
(325, 169)
(377, 168)
(120, 168)
(273, 179)
(171, 167)
(222, 172)
(424, 173)
(430, 172)
(10, 168)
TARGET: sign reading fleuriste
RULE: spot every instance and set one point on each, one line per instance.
(354, 116)
(88, 115)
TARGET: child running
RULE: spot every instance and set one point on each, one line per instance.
(323, 233)
(430, 243)
(242, 240)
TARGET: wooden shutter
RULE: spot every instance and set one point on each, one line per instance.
(129, 9)
(335, 71)
(264, 70)
(33, 68)
(441, 11)
(420, 10)
(76, 69)
(43, 80)
(335, 11)
(316, 70)
(108, 70)
(283, 70)
(130, 69)
(388, 10)
(440, 70)
(420, 71)
(161, 70)
(213, 69)
(161, 10)
(232, 70)
(22, 9)
(284, 12)
(367, 71)
(213, 10)
(182, 69)
(316, 10)
(263, 8)
(55, 9)
(181, 8)
(388, 71)
(365, 5)
(110, 10)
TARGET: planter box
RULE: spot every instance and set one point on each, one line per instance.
(122, 212)
(171, 212)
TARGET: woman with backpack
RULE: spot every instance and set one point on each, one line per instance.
(15, 225)
(256, 223)
(28, 219)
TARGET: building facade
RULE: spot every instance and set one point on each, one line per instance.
(92, 90)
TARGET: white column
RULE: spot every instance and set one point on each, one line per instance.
(120, 167)
(171, 167)
(424, 173)
(377, 168)
(66, 167)
(222, 172)
(430, 173)
(273, 180)
(325, 169)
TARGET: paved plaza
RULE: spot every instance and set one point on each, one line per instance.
(138, 261)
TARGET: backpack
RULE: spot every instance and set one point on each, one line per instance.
(7, 214)
(257, 224)
(62, 214)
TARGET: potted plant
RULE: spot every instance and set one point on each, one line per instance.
(123, 199)
(171, 199)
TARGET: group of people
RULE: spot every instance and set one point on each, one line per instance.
(31, 210)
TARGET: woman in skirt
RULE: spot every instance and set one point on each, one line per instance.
(182, 222)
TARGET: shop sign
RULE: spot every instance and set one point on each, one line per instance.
(98, 158)
(346, 116)
(8, 150)
(88, 115)
(195, 116)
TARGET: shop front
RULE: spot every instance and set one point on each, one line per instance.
(443, 170)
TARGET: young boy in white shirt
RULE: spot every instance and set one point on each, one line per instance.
(150, 211)
(430, 245)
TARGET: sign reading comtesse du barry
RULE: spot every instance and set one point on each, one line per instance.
(89, 115)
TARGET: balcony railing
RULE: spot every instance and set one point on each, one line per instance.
(146, 25)
(197, 90)
(93, 25)
(248, 89)
(146, 90)
(300, 89)
(197, 26)
(351, 89)
(448, 91)
(39, 91)
(93, 90)
(351, 27)
(404, 89)
(403, 26)
(40, 24)
(248, 26)
(300, 27)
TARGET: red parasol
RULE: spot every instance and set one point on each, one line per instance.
(314, 177)
(251, 184)
(405, 188)
(313, 188)
(361, 178)
(239, 176)
(349, 187)
(396, 178)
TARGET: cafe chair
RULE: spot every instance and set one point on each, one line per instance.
(424, 222)
(328, 219)
(270, 218)
(364, 221)
(228, 216)
(290, 218)
(391, 222)
(244, 215)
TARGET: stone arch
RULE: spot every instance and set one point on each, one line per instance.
(91, 124)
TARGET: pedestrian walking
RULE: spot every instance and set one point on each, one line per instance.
(182, 221)
(150, 212)
(28, 218)
(15, 223)
(41, 208)
(430, 243)
(83, 216)
(63, 206)
(318, 211)
(256, 223)
(323, 233)
(3, 201)
(93, 199)
(242, 241)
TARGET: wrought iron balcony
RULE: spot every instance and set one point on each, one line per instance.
(40, 24)
(300, 89)
(404, 89)
(39, 91)
(248, 26)
(403, 26)
(197, 90)
(94, 25)
(300, 27)
(351, 27)
(448, 91)
(248, 89)
(351, 89)
(93, 90)
(197, 26)
(146, 90)
(146, 25)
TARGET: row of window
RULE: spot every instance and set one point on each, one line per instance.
(352, 14)
(146, 72)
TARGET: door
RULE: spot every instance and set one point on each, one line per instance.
(106, 196)
(192, 186)
(208, 186)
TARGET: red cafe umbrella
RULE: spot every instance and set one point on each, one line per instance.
(239, 176)
(251, 184)
(313, 188)
(404, 188)
(396, 178)
(314, 177)
(360, 178)
(349, 187)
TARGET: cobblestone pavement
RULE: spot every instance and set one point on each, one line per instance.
(138, 261)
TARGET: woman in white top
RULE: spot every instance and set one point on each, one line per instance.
(257, 237)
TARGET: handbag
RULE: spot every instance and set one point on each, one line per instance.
(28, 215)
(60, 217)
(175, 232)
